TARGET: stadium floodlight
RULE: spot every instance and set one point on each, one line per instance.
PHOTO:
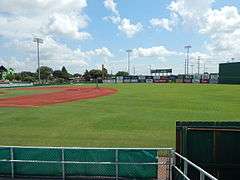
(187, 60)
(128, 52)
(38, 41)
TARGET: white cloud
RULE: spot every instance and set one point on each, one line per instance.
(111, 5)
(225, 20)
(113, 19)
(223, 28)
(129, 28)
(123, 24)
(68, 25)
(53, 54)
(27, 8)
(22, 18)
(157, 51)
(190, 11)
(162, 23)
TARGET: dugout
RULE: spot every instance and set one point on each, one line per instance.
(214, 146)
(229, 73)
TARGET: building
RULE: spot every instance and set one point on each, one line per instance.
(229, 73)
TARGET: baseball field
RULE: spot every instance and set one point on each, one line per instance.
(134, 115)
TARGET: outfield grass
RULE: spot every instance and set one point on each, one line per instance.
(139, 115)
(11, 92)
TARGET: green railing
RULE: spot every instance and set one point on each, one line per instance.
(101, 163)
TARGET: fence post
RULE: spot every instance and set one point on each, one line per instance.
(185, 170)
(172, 162)
(202, 176)
(12, 163)
(63, 165)
(116, 161)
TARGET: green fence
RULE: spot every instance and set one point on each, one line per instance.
(83, 163)
(229, 73)
(214, 146)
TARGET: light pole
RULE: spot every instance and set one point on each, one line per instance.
(187, 60)
(192, 68)
(128, 52)
(38, 41)
(198, 65)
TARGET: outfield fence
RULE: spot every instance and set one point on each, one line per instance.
(93, 163)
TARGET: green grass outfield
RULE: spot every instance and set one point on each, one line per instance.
(139, 115)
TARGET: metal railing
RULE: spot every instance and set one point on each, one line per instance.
(163, 161)
(186, 163)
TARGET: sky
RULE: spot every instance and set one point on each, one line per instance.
(83, 34)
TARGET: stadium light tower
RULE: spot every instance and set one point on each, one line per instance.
(128, 52)
(38, 41)
(187, 60)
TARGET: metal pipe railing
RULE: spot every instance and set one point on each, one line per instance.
(63, 162)
(171, 154)
(202, 172)
(181, 172)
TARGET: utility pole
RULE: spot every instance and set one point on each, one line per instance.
(185, 63)
(204, 68)
(198, 65)
(128, 52)
(150, 68)
(192, 68)
(187, 60)
(38, 41)
(134, 70)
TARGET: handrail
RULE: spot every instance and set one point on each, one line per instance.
(108, 148)
(181, 173)
(197, 167)
(84, 162)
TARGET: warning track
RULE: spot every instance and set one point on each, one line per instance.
(63, 94)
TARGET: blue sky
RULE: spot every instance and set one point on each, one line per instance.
(83, 34)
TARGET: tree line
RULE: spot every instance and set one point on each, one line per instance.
(62, 75)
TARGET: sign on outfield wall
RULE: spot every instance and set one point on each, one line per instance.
(161, 71)
(7, 85)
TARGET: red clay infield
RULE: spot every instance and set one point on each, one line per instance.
(63, 94)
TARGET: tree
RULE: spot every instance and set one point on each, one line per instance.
(46, 72)
(86, 75)
(58, 74)
(27, 76)
(10, 76)
(122, 73)
(104, 73)
(95, 73)
(2, 71)
(77, 75)
(65, 74)
(18, 76)
(28, 79)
